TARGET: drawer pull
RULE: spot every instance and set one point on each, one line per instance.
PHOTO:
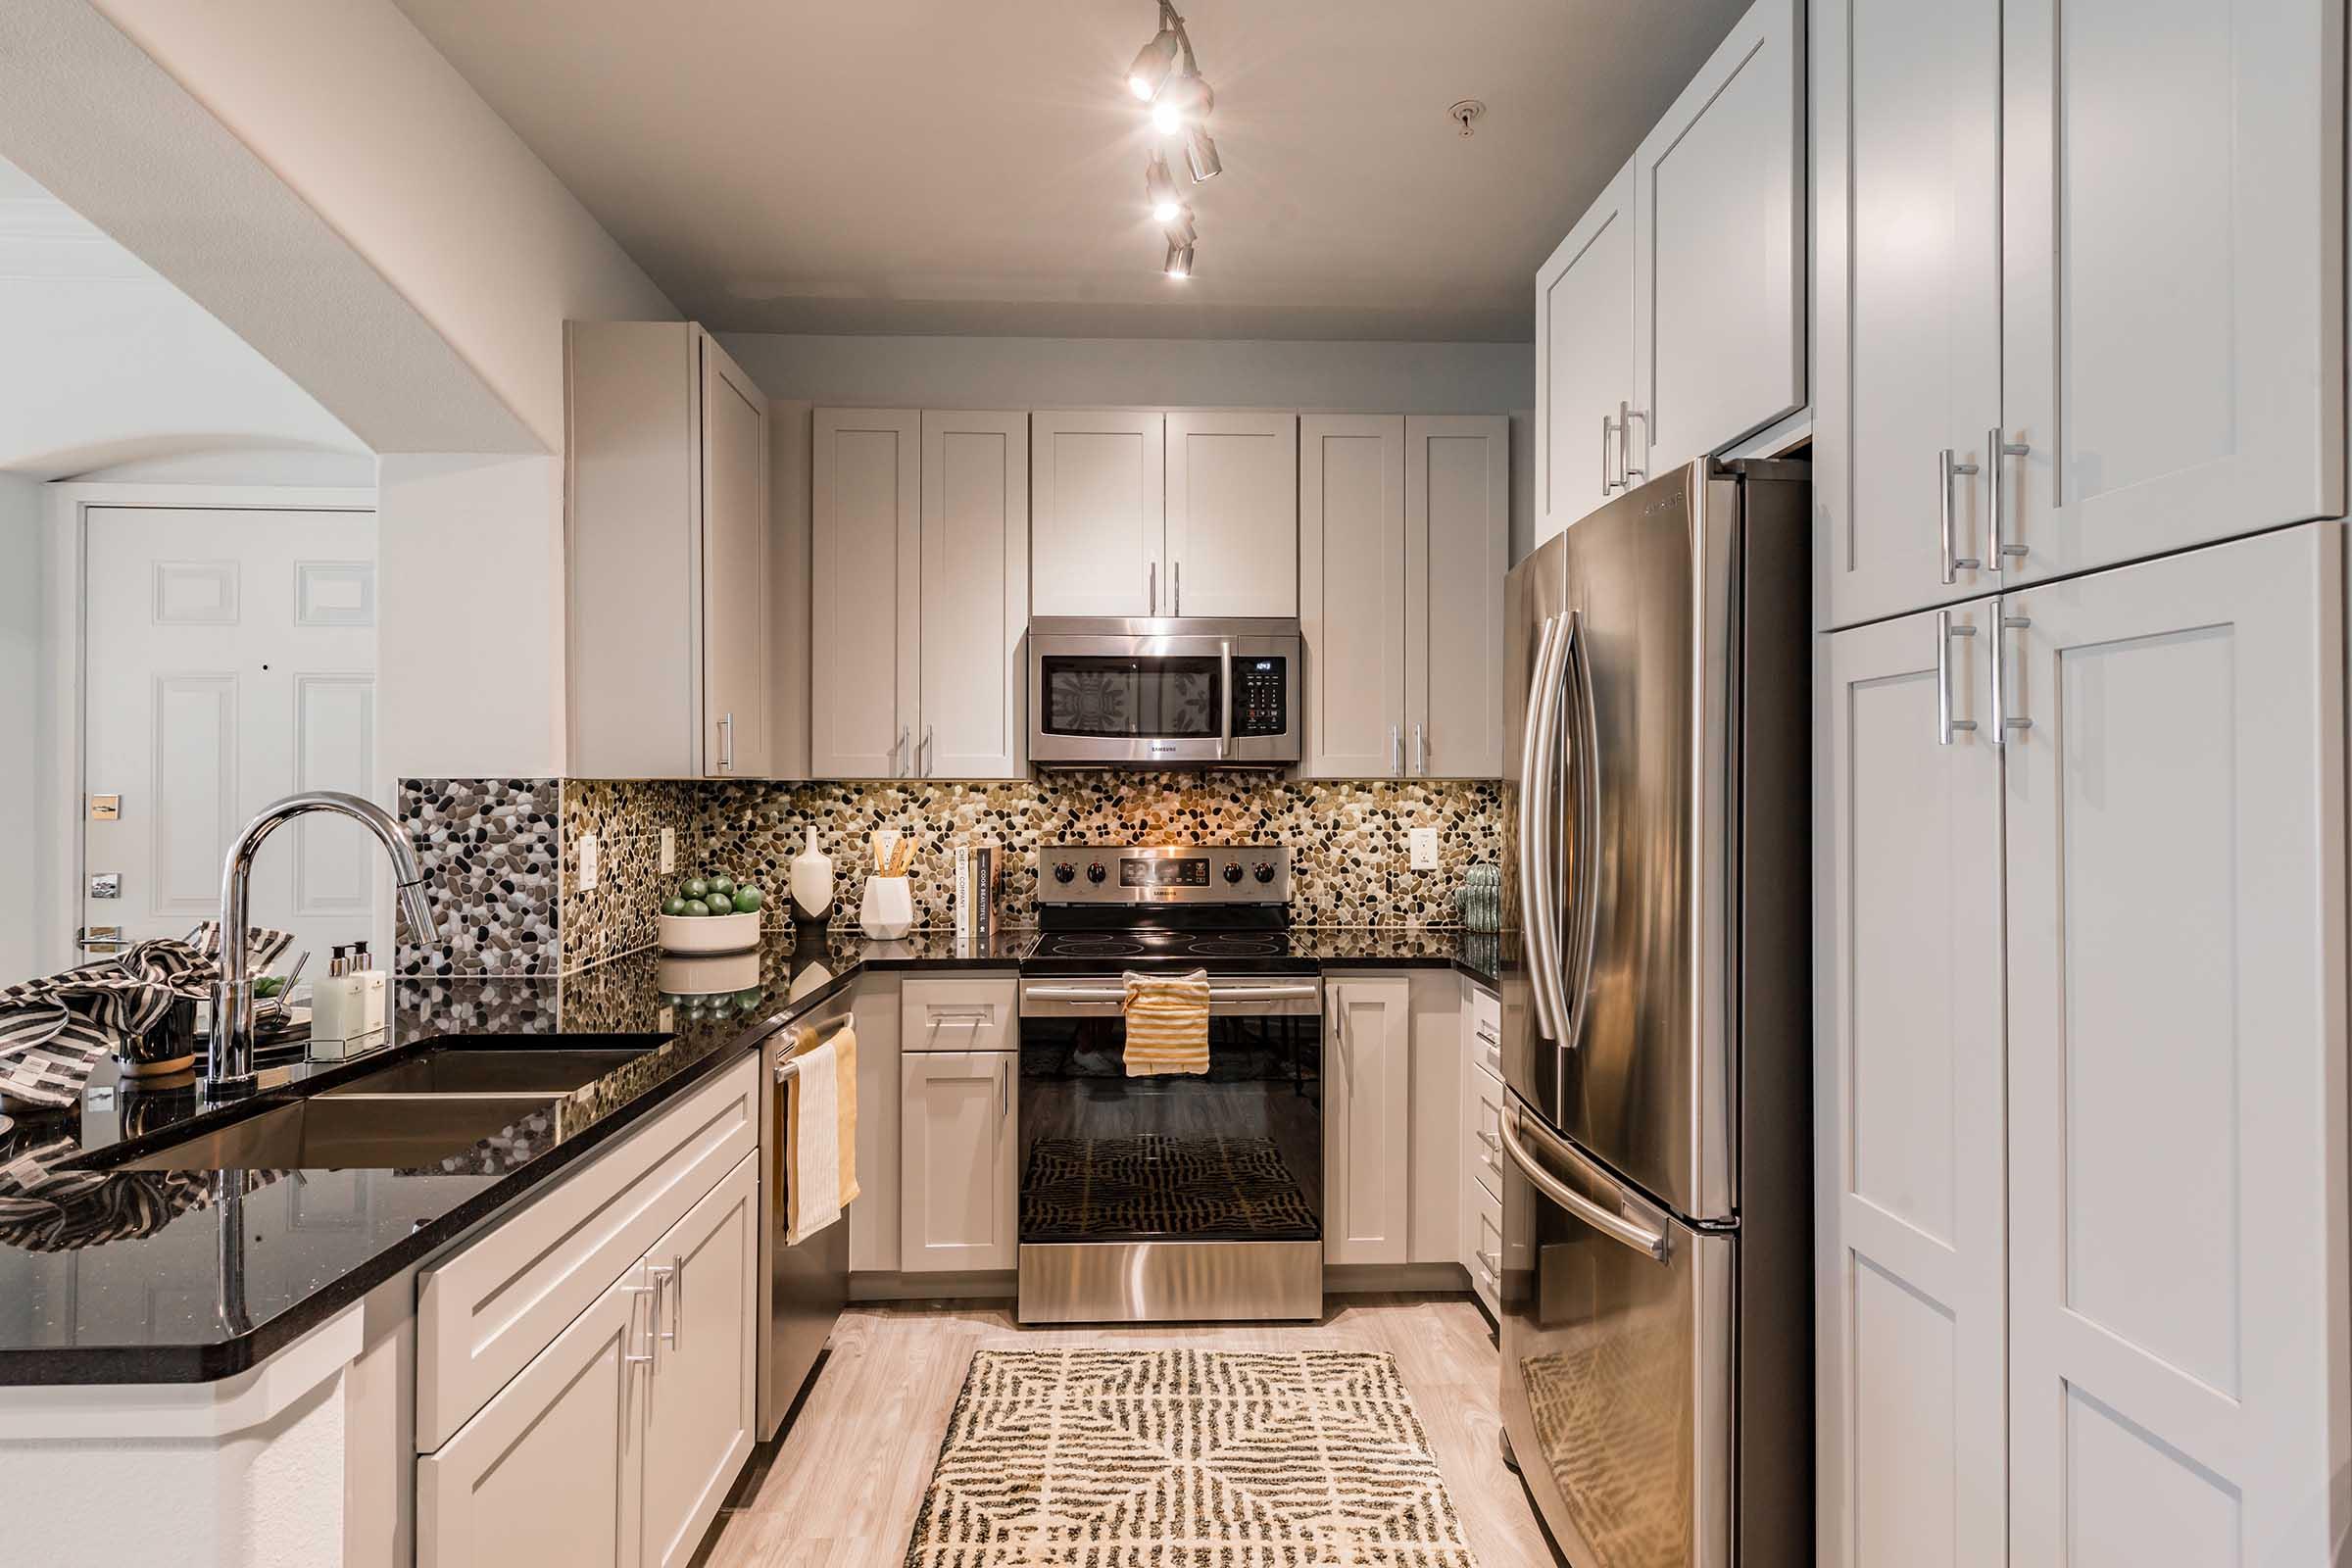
(1488, 1264)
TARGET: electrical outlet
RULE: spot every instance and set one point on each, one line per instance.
(669, 849)
(1424, 843)
(665, 1020)
(587, 862)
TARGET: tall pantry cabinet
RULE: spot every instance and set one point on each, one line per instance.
(2081, 1068)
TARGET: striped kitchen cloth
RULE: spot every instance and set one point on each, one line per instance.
(53, 1031)
(1167, 1023)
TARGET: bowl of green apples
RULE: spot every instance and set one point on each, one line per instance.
(710, 913)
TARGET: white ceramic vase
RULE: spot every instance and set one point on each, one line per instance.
(812, 883)
(887, 911)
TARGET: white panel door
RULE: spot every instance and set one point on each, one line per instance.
(1719, 243)
(734, 547)
(957, 1155)
(2178, 1083)
(1911, 1265)
(1233, 514)
(975, 595)
(866, 577)
(1098, 534)
(1351, 592)
(1907, 295)
(2172, 230)
(1367, 1207)
(1457, 542)
(700, 1403)
(551, 1469)
(230, 659)
(1584, 360)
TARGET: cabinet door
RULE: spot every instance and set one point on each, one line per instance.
(734, 550)
(956, 1182)
(2177, 1076)
(1907, 276)
(1098, 534)
(1457, 541)
(1352, 600)
(866, 572)
(1584, 359)
(1233, 514)
(975, 595)
(701, 1402)
(2173, 228)
(1909, 1246)
(1366, 1203)
(549, 1470)
(1719, 236)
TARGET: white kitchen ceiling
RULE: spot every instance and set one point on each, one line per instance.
(939, 166)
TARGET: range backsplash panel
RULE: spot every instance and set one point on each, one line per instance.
(491, 853)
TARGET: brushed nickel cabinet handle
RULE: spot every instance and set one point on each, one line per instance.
(1996, 449)
(1608, 429)
(1945, 471)
(1946, 727)
(1627, 473)
(2002, 721)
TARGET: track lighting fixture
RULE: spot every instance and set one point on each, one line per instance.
(1180, 261)
(1185, 99)
(1201, 154)
(1153, 61)
(1160, 189)
(1180, 230)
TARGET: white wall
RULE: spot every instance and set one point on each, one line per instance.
(470, 638)
(23, 826)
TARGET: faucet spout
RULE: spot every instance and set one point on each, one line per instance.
(229, 1068)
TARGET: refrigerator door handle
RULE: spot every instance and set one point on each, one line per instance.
(1535, 831)
(1601, 1218)
(1576, 663)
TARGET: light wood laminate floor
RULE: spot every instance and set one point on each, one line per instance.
(840, 1486)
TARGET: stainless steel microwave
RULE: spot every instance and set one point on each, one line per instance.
(1164, 692)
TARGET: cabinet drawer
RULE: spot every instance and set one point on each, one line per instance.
(1485, 1250)
(957, 1015)
(483, 1313)
(1482, 1149)
(1486, 1032)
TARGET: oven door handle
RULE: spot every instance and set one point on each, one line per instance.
(1094, 995)
(1116, 995)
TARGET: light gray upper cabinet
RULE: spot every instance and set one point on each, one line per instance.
(1404, 534)
(1233, 514)
(920, 581)
(2120, 251)
(1719, 246)
(1584, 361)
(666, 480)
(1098, 518)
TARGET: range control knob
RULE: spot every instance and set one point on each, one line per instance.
(1064, 872)
(1233, 871)
(1262, 871)
(1095, 872)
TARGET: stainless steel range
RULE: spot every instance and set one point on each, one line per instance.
(1180, 1196)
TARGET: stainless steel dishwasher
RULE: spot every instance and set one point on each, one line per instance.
(806, 1284)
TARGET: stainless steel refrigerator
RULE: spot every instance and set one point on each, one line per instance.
(1657, 1326)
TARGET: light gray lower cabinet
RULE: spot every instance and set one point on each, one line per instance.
(1367, 1071)
(1403, 544)
(957, 1158)
(1478, 1178)
(702, 1387)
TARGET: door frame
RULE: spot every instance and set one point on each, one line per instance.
(65, 592)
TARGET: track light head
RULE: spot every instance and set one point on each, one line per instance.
(1185, 99)
(1180, 230)
(1160, 189)
(1201, 154)
(1180, 261)
(1152, 65)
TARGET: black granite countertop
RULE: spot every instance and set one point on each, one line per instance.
(113, 1276)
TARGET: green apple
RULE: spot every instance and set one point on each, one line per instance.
(720, 903)
(695, 906)
(722, 883)
(673, 906)
(748, 899)
(694, 888)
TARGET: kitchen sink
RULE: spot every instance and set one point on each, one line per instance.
(329, 1132)
(491, 1073)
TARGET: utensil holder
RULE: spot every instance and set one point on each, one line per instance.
(886, 911)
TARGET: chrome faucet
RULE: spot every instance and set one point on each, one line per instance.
(229, 1065)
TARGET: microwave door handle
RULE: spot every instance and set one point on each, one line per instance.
(1225, 707)
(1607, 1221)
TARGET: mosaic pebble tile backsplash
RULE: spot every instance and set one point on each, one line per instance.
(513, 905)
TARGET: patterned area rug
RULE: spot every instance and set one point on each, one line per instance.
(1186, 1459)
(1154, 1184)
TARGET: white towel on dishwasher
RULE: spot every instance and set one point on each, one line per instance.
(815, 1193)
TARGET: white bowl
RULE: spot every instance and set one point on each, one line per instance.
(708, 933)
(702, 974)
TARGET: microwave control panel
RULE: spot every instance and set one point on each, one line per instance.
(1259, 697)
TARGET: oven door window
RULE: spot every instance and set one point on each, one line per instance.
(1132, 698)
(1235, 1153)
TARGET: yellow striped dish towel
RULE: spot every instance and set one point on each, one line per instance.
(1167, 1023)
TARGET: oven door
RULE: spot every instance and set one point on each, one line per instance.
(1617, 1353)
(1163, 693)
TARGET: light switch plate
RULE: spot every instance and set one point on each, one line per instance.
(587, 862)
(669, 849)
(1424, 842)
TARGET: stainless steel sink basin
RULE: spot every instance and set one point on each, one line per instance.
(343, 1133)
(487, 1073)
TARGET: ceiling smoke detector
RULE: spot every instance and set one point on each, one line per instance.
(1465, 115)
